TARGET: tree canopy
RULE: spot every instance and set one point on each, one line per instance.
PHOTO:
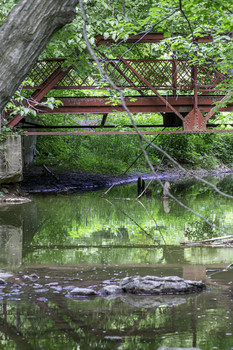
(181, 21)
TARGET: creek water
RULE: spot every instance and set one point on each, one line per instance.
(56, 243)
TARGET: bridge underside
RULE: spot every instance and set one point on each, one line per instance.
(137, 104)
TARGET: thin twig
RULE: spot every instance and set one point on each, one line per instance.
(183, 13)
(128, 216)
(157, 169)
(132, 164)
(186, 171)
(157, 226)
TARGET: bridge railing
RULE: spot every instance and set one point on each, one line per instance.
(172, 76)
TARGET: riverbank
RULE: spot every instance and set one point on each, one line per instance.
(42, 179)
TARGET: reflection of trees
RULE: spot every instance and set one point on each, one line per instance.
(62, 220)
(226, 184)
(200, 230)
(120, 234)
(174, 256)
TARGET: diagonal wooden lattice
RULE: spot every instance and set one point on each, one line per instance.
(166, 75)
(208, 78)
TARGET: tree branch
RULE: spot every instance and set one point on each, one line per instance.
(183, 13)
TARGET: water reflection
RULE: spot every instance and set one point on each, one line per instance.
(126, 322)
(86, 241)
(18, 223)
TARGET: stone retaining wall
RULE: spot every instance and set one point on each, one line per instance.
(11, 165)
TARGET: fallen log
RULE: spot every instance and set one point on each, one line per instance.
(207, 240)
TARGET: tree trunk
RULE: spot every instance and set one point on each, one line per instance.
(24, 35)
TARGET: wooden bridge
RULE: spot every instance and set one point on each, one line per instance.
(185, 94)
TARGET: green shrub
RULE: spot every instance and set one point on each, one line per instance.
(114, 153)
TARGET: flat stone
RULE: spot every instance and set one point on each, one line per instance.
(16, 200)
(5, 275)
(153, 285)
(110, 290)
(83, 292)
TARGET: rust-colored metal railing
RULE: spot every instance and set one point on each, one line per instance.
(173, 76)
(174, 86)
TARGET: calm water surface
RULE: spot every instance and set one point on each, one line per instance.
(87, 241)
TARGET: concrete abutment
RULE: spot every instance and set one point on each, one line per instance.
(11, 160)
(15, 152)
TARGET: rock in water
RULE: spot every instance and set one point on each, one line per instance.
(5, 275)
(33, 277)
(110, 290)
(83, 292)
(152, 285)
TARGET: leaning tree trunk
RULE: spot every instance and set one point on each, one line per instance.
(24, 35)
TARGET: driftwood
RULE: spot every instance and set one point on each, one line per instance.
(207, 240)
(166, 189)
(223, 243)
(50, 172)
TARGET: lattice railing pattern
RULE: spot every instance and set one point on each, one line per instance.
(208, 78)
(166, 75)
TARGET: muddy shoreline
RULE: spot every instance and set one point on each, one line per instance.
(39, 179)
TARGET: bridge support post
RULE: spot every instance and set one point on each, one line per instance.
(194, 120)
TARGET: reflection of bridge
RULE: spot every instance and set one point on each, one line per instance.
(184, 93)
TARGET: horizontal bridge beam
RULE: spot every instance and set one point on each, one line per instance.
(152, 132)
(136, 104)
(40, 126)
(145, 38)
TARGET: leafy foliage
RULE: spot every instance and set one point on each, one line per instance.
(6, 7)
(115, 153)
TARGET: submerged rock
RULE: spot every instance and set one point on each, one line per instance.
(160, 285)
(110, 290)
(152, 301)
(83, 292)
